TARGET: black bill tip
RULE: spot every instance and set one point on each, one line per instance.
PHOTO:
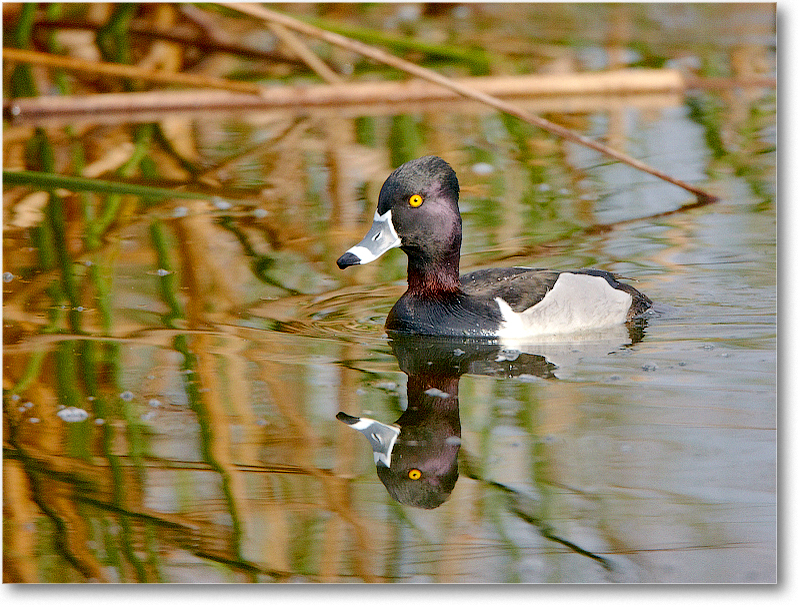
(347, 260)
(348, 419)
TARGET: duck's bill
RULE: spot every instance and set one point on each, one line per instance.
(381, 437)
(380, 238)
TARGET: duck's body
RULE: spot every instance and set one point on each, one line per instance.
(418, 212)
(519, 302)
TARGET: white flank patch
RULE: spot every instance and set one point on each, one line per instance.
(577, 302)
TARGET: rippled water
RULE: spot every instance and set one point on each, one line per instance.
(176, 420)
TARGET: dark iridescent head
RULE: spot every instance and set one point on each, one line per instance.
(417, 211)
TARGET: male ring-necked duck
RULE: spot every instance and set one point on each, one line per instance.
(418, 212)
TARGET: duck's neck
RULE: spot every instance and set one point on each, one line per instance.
(434, 276)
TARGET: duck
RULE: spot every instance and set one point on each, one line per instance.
(418, 212)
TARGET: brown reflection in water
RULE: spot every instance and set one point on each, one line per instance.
(43, 480)
(298, 438)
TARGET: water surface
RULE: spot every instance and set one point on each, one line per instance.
(171, 389)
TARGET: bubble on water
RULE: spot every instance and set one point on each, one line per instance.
(649, 367)
(461, 11)
(34, 420)
(260, 213)
(222, 205)
(73, 414)
(99, 421)
(15, 397)
(408, 12)
(126, 396)
(154, 402)
(482, 168)
(180, 212)
(8, 277)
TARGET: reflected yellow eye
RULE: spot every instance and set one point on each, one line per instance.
(415, 200)
(414, 474)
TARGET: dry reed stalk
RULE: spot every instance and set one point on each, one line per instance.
(211, 41)
(378, 55)
(618, 82)
(257, 115)
(126, 71)
(308, 57)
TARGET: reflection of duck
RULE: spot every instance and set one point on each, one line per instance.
(417, 456)
(418, 212)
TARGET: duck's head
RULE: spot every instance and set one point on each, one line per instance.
(418, 212)
(416, 458)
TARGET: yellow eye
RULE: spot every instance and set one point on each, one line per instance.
(414, 474)
(415, 200)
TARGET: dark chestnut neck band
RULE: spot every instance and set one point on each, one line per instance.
(433, 276)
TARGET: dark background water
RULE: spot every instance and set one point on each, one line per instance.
(173, 369)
